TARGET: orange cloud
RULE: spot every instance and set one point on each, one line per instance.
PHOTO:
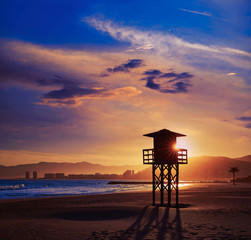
(121, 106)
(76, 97)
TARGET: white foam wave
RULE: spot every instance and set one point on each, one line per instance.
(12, 187)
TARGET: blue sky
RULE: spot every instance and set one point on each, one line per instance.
(59, 22)
(84, 80)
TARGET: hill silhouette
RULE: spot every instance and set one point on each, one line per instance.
(65, 167)
(246, 158)
(216, 168)
(198, 168)
(208, 168)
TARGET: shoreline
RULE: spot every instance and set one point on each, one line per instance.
(183, 186)
(183, 190)
(208, 211)
(180, 182)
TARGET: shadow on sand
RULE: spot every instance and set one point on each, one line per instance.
(98, 214)
(152, 223)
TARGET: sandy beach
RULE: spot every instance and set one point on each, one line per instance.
(206, 211)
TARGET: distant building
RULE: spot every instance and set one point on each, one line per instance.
(127, 174)
(27, 175)
(49, 176)
(35, 175)
(59, 176)
(76, 176)
(114, 176)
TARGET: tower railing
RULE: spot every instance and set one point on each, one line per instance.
(182, 155)
(148, 156)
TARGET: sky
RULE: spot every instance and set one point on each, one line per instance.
(84, 80)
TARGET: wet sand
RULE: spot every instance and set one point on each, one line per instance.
(206, 211)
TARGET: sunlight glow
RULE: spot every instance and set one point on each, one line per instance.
(181, 143)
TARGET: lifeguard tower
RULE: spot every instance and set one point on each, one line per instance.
(165, 159)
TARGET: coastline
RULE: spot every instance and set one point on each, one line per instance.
(207, 211)
(19, 189)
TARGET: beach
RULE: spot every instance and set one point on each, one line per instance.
(206, 211)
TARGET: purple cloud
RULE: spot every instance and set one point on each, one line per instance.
(179, 87)
(67, 93)
(125, 67)
(179, 83)
(153, 72)
(151, 84)
(244, 118)
(58, 80)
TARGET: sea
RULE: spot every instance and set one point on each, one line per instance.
(18, 189)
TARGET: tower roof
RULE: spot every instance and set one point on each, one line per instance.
(164, 132)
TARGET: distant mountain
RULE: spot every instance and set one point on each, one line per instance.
(67, 168)
(245, 179)
(246, 158)
(206, 168)
(198, 168)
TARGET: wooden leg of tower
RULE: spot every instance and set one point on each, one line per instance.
(169, 185)
(162, 185)
(153, 193)
(177, 185)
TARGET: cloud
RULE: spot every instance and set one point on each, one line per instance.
(156, 81)
(70, 93)
(14, 71)
(133, 63)
(178, 87)
(67, 76)
(245, 119)
(197, 12)
(27, 73)
(67, 79)
(73, 97)
(151, 84)
(58, 81)
(141, 48)
(174, 48)
(169, 75)
(176, 76)
(32, 65)
(153, 72)
(125, 67)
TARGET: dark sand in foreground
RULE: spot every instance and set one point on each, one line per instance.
(207, 211)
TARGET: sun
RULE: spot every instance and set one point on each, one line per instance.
(181, 143)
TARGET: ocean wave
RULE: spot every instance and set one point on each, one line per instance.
(12, 187)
